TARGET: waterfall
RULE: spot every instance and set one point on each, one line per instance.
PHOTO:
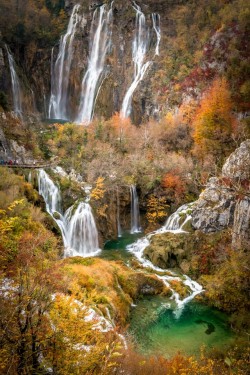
(157, 29)
(175, 221)
(77, 225)
(100, 42)
(139, 50)
(16, 90)
(119, 229)
(82, 231)
(60, 72)
(174, 224)
(135, 213)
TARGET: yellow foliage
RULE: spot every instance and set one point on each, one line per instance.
(98, 192)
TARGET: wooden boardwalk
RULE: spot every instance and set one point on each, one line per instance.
(29, 166)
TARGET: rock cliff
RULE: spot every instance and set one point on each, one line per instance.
(226, 200)
(220, 219)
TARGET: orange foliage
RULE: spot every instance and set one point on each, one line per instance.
(121, 125)
(214, 125)
(172, 181)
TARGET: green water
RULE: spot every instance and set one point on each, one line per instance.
(116, 249)
(154, 326)
(156, 329)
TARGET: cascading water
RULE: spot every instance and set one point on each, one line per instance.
(16, 89)
(52, 197)
(79, 233)
(60, 72)
(139, 50)
(174, 224)
(81, 230)
(157, 29)
(119, 229)
(135, 213)
(99, 45)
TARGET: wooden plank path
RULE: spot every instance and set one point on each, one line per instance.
(29, 166)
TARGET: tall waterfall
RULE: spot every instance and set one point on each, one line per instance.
(157, 29)
(77, 225)
(60, 72)
(100, 42)
(16, 89)
(139, 50)
(135, 213)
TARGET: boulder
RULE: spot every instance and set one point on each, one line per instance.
(167, 250)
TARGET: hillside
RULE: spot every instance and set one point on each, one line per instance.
(124, 187)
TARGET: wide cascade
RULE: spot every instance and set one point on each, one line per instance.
(135, 213)
(16, 89)
(100, 42)
(77, 225)
(60, 72)
(139, 51)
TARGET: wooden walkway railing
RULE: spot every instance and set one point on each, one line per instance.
(30, 166)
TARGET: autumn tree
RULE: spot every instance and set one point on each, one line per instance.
(214, 124)
(156, 210)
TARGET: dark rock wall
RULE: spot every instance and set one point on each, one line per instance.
(34, 64)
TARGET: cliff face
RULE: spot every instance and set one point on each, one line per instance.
(184, 67)
(226, 200)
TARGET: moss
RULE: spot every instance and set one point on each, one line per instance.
(82, 261)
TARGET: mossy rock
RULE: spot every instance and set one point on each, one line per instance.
(167, 250)
(187, 250)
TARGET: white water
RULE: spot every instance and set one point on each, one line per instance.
(135, 212)
(119, 229)
(99, 45)
(60, 72)
(157, 29)
(81, 231)
(77, 225)
(139, 51)
(174, 224)
(16, 90)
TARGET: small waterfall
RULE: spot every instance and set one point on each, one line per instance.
(157, 29)
(139, 50)
(60, 72)
(173, 224)
(135, 213)
(82, 232)
(101, 31)
(79, 233)
(16, 89)
(119, 229)
(175, 221)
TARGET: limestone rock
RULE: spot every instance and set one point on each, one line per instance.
(237, 166)
(241, 225)
(226, 201)
(214, 209)
(167, 250)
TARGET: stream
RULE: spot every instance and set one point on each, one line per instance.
(157, 327)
